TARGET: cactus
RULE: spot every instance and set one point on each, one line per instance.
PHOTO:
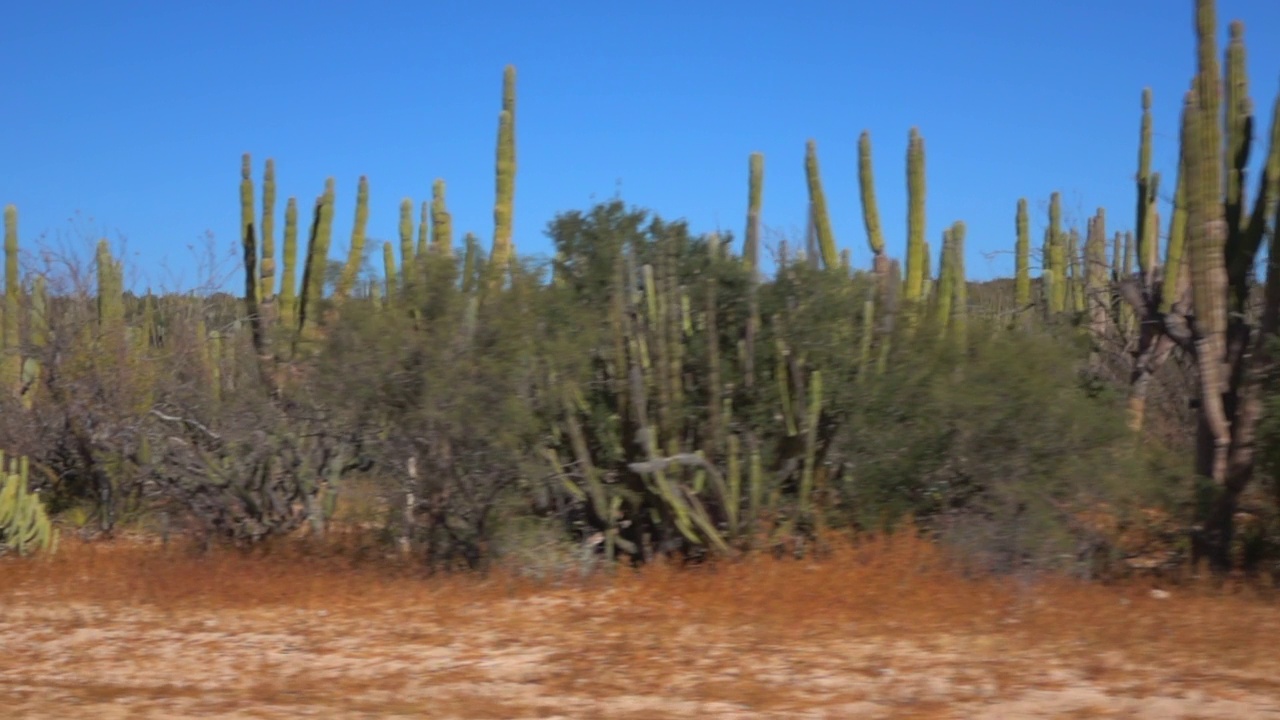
(870, 210)
(10, 351)
(1212, 235)
(1146, 195)
(288, 272)
(1095, 276)
(818, 208)
(1022, 258)
(1075, 283)
(424, 229)
(1056, 250)
(266, 291)
(317, 255)
(408, 273)
(755, 193)
(946, 282)
(960, 287)
(441, 221)
(355, 254)
(38, 323)
(110, 293)
(24, 524)
(915, 217)
(503, 209)
(390, 285)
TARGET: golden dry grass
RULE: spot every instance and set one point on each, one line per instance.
(885, 629)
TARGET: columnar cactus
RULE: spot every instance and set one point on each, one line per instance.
(915, 217)
(755, 194)
(355, 254)
(960, 287)
(1056, 247)
(1146, 193)
(441, 221)
(11, 358)
(1022, 258)
(317, 256)
(408, 268)
(503, 246)
(1222, 242)
(288, 271)
(818, 208)
(266, 292)
(870, 210)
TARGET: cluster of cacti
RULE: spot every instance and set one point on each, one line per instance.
(24, 524)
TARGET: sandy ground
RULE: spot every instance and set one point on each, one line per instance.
(567, 655)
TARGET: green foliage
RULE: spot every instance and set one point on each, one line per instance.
(997, 455)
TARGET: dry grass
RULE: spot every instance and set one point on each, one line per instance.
(882, 630)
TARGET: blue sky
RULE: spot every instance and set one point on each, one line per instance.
(127, 119)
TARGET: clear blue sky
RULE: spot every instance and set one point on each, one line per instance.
(132, 116)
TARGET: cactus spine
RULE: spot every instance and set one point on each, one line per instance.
(818, 208)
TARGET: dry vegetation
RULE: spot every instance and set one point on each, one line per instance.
(127, 629)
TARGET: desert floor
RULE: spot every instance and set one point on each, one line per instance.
(126, 630)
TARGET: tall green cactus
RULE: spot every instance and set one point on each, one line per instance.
(266, 291)
(1022, 258)
(870, 210)
(408, 268)
(915, 217)
(503, 207)
(441, 221)
(110, 293)
(755, 195)
(946, 283)
(1146, 194)
(818, 208)
(1057, 249)
(317, 256)
(288, 271)
(1208, 239)
(355, 254)
(11, 358)
(960, 301)
(424, 229)
(390, 285)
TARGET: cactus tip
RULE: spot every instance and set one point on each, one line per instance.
(1146, 99)
(1237, 30)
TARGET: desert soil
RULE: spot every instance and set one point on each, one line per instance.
(311, 648)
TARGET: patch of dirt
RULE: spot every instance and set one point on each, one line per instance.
(118, 638)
